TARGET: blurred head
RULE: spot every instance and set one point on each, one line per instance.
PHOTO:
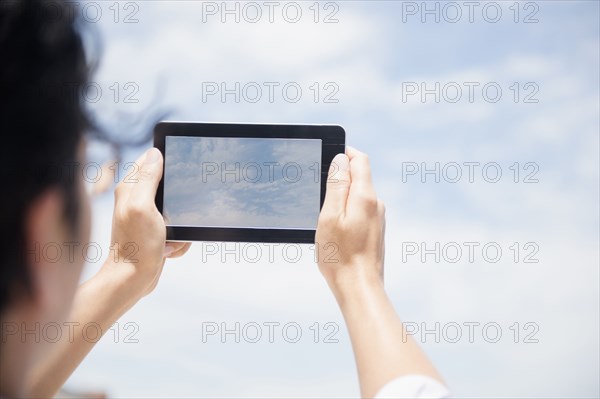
(43, 206)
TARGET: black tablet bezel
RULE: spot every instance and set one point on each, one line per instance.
(333, 142)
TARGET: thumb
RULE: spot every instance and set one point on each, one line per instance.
(147, 177)
(338, 185)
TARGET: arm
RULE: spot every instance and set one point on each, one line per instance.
(353, 218)
(121, 282)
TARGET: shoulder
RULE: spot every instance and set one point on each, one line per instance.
(413, 386)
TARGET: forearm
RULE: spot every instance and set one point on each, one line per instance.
(100, 301)
(382, 349)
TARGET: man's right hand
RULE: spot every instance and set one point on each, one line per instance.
(351, 227)
(352, 221)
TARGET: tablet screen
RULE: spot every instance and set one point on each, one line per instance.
(271, 183)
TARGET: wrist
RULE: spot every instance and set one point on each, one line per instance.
(350, 285)
(107, 295)
(123, 282)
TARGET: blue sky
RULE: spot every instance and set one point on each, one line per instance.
(369, 58)
(241, 182)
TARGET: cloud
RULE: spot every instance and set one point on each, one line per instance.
(239, 182)
(369, 54)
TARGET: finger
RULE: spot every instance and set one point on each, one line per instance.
(181, 252)
(352, 152)
(361, 161)
(145, 182)
(124, 187)
(154, 283)
(105, 181)
(360, 172)
(172, 247)
(338, 185)
(176, 249)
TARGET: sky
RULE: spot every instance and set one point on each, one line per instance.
(483, 134)
(242, 182)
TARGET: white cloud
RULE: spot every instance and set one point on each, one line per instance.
(560, 213)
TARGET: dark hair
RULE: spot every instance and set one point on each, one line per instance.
(41, 124)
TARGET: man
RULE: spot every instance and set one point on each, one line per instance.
(44, 202)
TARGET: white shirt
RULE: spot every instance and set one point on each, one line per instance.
(413, 386)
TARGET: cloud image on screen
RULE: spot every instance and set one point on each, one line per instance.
(242, 182)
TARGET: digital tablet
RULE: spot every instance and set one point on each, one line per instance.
(244, 182)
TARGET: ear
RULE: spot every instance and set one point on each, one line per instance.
(45, 238)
